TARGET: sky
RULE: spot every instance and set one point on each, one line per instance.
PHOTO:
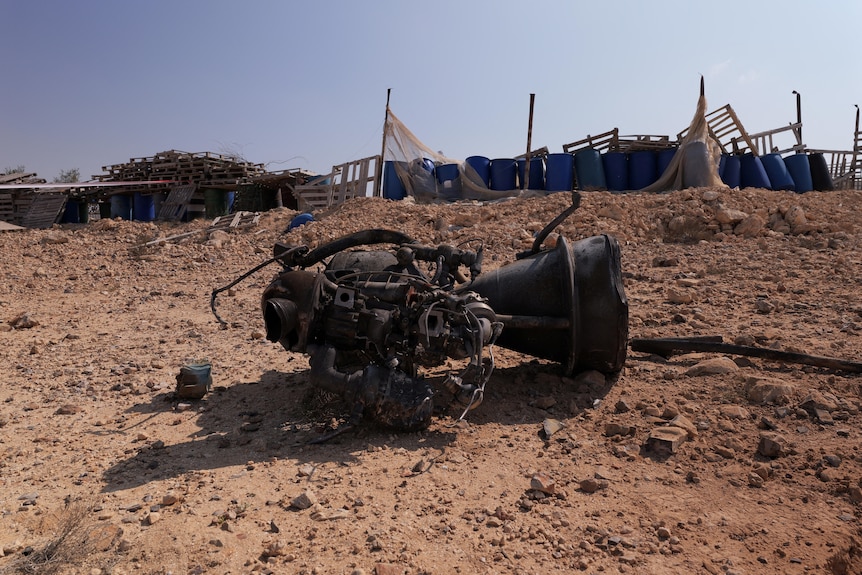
(91, 83)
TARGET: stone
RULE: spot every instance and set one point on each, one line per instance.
(713, 366)
(678, 296)
(764, 306)
(542, 482)
(303, 501)
(666, 440)
(550, 427)
(766, 390)
(592, 484)
(729, 216)
(818, 400)
(617, 429)
(772, 445)
(733, 412)
(686, 424)
(750, 227)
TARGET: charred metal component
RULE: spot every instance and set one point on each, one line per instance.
(372, 319)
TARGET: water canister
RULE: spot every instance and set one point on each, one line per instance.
(729, 170)
(121, 206)
(299, 220)
(448, 181)
(537, 173)
(776, 171)
(663, 159)
(393, 189)
(643, 169)
(482, 166)
(752, 173)
(589, 170)
(800, 171)
(504, 174)
(616, 167)
(821, 179)
(560, 172)
(72, 212)
(143, 207)
(215, 203)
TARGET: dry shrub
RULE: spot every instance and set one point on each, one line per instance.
(71, 544)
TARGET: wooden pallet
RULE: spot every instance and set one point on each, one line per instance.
(237, 220)
(44, 210)
(177, 202)
(606, 141)
(726, 129)
(346, 181)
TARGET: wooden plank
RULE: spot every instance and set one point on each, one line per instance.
(177, 202)
(44, 210)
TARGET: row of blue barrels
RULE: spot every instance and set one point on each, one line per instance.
(553, 173)
(798, 172)
(144, 207)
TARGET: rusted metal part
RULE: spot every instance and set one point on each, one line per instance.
(666, 347)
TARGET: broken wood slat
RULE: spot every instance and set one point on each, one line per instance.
(764, 143)
(237, 220)
(44, 210)
(177, 202)
(605, 141)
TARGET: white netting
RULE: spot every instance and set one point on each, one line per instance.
(416, 166)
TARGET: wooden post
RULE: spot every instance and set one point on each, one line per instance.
(525, 183)
(378, 183)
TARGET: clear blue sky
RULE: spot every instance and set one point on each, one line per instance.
(89, 83)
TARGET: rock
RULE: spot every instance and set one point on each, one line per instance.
(389, 569)
(764, 306)
(23, 321)
(683, 422)
(592, 484)
(622, 406)
(755, 480)
(734, 412)
(765, 390)
(710, 196)
(772, 445)
(152, 518)
(304, 500)
(617, 429)
(68, 409)
(750, 227)
(544, 402)
(276, 548)
(818, 400)
(713, 366)
(550, 427)
(591, 379)
(542, 482)
(679, 297)
(666, 440)
(729, 216)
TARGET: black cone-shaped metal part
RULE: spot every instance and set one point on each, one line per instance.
(566, 304)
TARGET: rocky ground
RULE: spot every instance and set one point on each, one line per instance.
(698, 463)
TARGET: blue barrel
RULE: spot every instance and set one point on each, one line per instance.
(504, 174)
(752, 173)
(643, 169)
(616, 166)
(729, 170)
(448, 181)
(393, 189)
(777, 173)
(482, 165)
(537, 173)
(231, 200)
(589, 170)
(121, 206)
(72, 212)
(144, 207)
(663, 159)
(560, 172)
(821, 179)
(800, 170)
(300, 220)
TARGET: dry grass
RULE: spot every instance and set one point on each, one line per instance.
(71, 543)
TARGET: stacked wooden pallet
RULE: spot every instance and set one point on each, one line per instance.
(205, 169)
(14, 203)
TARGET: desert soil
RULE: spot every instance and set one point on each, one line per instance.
(104, 470)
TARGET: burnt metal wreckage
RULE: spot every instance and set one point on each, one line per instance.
(373, 319)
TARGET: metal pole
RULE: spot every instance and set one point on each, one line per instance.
(529, 143)
(378, 183)
(799, 113)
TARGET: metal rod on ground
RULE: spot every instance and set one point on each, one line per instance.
(524, 184)
(378, 184)
(668, 346)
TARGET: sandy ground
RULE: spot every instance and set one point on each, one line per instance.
(104, 470)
